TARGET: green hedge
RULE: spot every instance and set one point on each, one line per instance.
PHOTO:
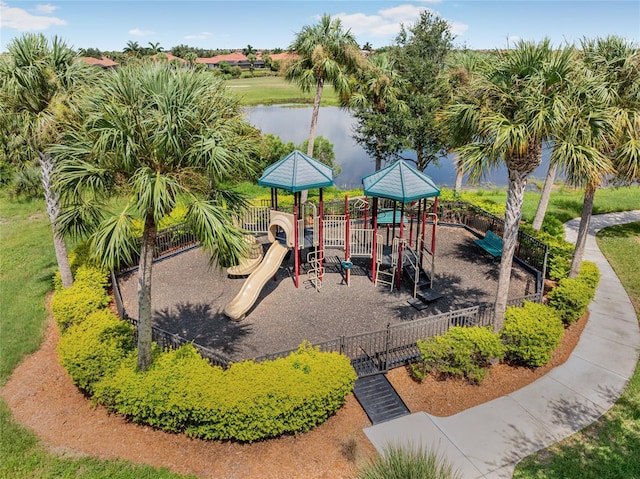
(87, 295)
(572, 295)
(460, 352)
(182, 392)
(95, 348)
(531, 334)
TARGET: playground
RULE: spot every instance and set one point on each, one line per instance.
(189, 298)
(365, 264)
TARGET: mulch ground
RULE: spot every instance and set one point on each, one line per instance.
(189, 296)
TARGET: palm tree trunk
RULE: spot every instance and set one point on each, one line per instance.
(583, 229)
(544, 197)
(512, 216)
(457, 189)
(52, 201)
(312, 130)
(378, 154)
(314, 116)
(144, 292)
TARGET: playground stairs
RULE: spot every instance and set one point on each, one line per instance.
(424, 294)
(377, 396)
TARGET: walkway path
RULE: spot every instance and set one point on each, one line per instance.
(487, 441)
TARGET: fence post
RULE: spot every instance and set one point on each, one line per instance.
(386, 348)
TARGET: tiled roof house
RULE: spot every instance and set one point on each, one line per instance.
(102, 63)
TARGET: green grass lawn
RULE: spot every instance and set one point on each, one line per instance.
(609, 448)
(27, 264)
(273, 90)
(566, 203)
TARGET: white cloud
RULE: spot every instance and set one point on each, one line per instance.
(458, 28)
(140, 33)
(47, 9)
(23, 21)
(387, 21)
(513, 39)
(198, 36)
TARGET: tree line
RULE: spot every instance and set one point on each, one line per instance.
(158, 136)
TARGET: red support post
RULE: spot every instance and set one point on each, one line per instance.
(347, 233)
(375, 246)
(295, 239)
(320, 239)
(400, 244)
(433, 231)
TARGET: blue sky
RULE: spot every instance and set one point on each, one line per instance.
(478, 24)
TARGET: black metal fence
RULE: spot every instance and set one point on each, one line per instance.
(529, 250)
(394, 345)
(171, 240)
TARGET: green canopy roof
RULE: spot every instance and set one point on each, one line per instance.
(297, 172)
(401, 182)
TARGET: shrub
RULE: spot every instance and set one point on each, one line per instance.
(531, 333)
(80, 259)
(95, 348)
(414, 462)
(182, 392)
(590, 274)
(87, 295)
(570, 299)
(461, 352)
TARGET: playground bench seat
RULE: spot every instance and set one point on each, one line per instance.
(491, 243)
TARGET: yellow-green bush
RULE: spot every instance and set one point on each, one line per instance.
(531, 333)
(590, 274)
(80, 256)
(87, 295)
(182, 392)
(572, 295)
(461, 352)
(95, 348)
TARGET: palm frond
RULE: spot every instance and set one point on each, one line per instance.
(213, 226)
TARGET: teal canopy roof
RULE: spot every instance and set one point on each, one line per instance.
(401, 182)
(297, 172)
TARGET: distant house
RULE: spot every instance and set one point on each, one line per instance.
(231, 59)
(104, 62)
(169, 57)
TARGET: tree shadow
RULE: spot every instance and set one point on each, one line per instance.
(201, 324)
(569, 416)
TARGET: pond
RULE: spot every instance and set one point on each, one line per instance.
(336, 125)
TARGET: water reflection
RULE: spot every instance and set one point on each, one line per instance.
(336, 125)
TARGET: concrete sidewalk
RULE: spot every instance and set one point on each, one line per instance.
(487, 441)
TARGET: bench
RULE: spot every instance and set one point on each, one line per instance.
(491, 243)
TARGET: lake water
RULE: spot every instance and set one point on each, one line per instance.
(336, 125)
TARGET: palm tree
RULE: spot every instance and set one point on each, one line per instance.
(615, 63)
(326, 53)
(509, 109)
(374, 100)
(155, 48)
(132, 48)
(159, 136)
(461, 66)
(39, 80)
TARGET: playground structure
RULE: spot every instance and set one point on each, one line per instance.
(356, 230)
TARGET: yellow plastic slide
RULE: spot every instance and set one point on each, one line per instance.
(248, 265)
(244, 300)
